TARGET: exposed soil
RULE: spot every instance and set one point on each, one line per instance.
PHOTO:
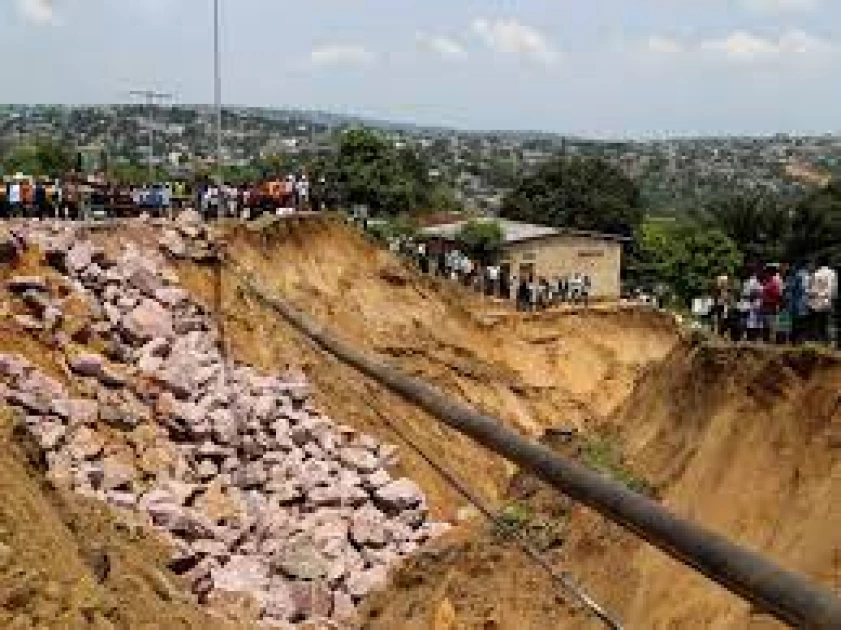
(66, 562)
(743, 440)
(535, 373)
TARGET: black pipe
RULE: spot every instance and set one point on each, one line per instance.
(788, 596)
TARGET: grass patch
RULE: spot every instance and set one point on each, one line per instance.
(520, 520)
(604, 455)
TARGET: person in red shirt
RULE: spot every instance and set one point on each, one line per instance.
(772, 300)
(27, 197)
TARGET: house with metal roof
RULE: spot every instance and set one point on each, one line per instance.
(539, 251)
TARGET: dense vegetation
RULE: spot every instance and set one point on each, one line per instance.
(581, 193)
(44, 157)
(482, 239)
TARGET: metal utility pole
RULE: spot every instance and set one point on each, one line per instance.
(151, 97)
(217, 88)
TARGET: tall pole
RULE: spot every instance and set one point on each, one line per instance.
(151, 96)
(217, 75)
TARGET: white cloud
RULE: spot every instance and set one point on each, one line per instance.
(37, 11)
(664, 45)
(442, 46)
(511, 37)
(340, 54)
(781, 6)
(743, 46)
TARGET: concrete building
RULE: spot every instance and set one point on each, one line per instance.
(546, 252)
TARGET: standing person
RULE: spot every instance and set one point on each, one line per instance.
(752, 307)
(213, 201)
(822, 291)
(246, 201)
(587, 289)
(534, 293)
(797, 298)
(203, 201)
(4, 200)
(576, 287)
(772, 299)
(5, 208)
(40, 200)
(546, 289)
(27, 197)
(563, 288)
(523, 295)
(302, 193)
(784, 317)
(423, 258)
(58, 199)
(466, 269)
(166, 199)
(67, 198)
(14, 199)
(721, 304)
(493, 280)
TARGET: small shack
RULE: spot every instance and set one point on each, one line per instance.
(545, 252)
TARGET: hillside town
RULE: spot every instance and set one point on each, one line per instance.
(674, 174)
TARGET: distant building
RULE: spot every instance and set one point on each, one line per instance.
(546, 252)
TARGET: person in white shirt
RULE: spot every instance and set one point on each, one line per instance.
(423, 259)
(576, 287)
(823, 290)
(302, 190)
(233, 201)
(751, 307)
(466, 269)
(493, 280)
(14, 199)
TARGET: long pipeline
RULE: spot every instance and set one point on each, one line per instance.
(788, 596)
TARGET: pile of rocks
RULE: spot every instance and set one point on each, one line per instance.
(188, 238)
(258, 492)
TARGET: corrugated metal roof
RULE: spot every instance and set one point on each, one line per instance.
(516, 231)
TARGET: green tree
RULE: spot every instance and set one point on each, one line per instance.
(371, 171)
(760, 224)
(43, 157)
(581, 193)
(816, 227)
(685, 256)
(399, 226)
(442, 198)
(276, 165)
(482, 239)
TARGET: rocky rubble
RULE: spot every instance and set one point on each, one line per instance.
(188, 238)
(256, 490)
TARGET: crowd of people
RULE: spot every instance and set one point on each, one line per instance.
(528, 292)
(781, 304)
(74, 198)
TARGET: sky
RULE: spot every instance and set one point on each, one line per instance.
(597, 68)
